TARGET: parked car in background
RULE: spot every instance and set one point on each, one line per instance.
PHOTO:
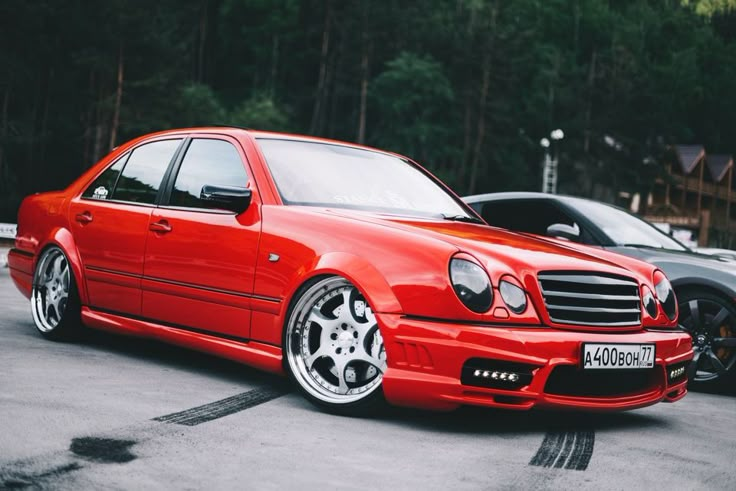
(351, 269)
(727, 254)
(705, 285)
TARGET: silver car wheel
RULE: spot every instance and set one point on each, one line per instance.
(334, 347)
(50, 291)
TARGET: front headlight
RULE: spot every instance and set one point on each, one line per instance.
(665, 295)
(650, 305)
(471, 284)
(513, 296)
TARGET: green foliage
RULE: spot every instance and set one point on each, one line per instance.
(466, 87)
(413, 96)
(709, 8)
(261, 112)
(197, 105)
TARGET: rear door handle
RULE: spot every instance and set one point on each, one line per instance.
(161, 227)
(84, 218)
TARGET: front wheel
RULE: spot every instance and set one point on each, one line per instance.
(54, 299)
(334, 349)
(711, 321)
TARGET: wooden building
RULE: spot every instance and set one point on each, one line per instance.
(697, 192)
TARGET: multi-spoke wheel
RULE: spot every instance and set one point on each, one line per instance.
(334, 349)
(54, 301)
(711, 321)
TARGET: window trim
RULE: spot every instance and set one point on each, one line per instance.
(124, 157)
(173, 173)
(127, 156)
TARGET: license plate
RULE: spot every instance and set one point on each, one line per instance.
(618, 355)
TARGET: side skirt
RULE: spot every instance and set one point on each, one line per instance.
(259, 355)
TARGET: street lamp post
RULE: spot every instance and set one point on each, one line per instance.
(549, 172)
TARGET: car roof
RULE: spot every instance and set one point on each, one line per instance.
(275, 135)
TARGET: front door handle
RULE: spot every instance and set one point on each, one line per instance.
(161, 227)
(84, 218)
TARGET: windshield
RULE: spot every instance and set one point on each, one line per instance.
(626, 229)
(320, 174)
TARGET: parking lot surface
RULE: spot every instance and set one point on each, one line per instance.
(119, 413)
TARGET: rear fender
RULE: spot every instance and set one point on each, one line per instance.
(64, 239)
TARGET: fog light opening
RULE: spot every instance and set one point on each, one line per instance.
(677, 372)
(497, 375)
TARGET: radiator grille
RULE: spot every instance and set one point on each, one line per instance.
(590, 299)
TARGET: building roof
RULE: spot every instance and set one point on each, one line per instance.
(718, 165)
(689, 156)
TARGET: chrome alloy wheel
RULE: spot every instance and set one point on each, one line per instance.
(334, 347)
(50, 292)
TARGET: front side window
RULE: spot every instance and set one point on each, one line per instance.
(144, 171)
(320, 174)
(530, 216)
(102, 187)
(207, 162)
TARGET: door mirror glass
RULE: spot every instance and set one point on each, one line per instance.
(564, 231)
(225, 197)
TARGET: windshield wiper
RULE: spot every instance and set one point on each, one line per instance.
(647, 246)
(462, 218)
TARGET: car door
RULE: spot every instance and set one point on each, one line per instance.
(110, 225)
(200, 262)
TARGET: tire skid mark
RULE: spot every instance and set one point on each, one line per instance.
(20, 480)
(580, 458)
(224, 407)
(112, 447)
(570, 450)
(570, 440)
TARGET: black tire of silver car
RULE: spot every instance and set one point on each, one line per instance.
(333, 348)
(55, 302)
(711, 321)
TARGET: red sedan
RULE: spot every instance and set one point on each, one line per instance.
(351, 269)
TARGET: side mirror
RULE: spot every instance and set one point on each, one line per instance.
(564, 231)
(226, 197)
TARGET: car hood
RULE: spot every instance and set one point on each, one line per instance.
(502, 250)
(684, 264)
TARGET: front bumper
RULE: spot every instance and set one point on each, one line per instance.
(426, 360)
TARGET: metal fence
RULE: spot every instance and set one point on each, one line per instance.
(8, 230)
(7, 233)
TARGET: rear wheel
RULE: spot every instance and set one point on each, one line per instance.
(334, 349)
(711, 321)
(54, 299)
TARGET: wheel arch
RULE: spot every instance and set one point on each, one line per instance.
(683, 285)
(63, 239)
(357, 271)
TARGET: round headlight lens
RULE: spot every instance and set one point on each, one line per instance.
(666, 296)
(471, 284)
(650, 305)
(513, 296)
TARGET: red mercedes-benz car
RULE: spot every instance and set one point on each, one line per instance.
(351, 269)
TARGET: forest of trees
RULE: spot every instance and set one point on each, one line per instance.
(466, 87)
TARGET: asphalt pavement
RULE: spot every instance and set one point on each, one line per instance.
(111, 412)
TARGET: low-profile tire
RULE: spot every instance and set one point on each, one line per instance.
(54, 297)
(333, 348)
(711, 321)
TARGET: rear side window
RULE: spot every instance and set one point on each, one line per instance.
(102, 187)
(207, 162)
(142, 174)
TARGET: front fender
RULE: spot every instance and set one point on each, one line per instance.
(359, 272)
